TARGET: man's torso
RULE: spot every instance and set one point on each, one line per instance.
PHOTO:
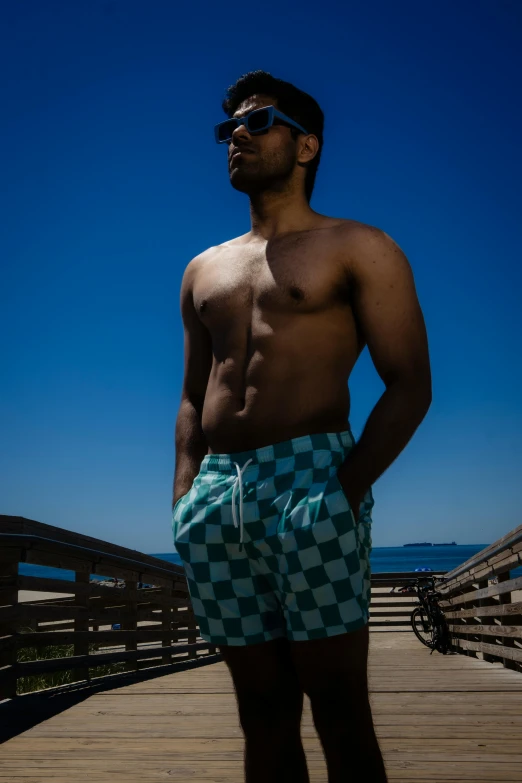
(284, 336)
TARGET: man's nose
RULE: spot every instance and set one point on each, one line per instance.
(240, 133)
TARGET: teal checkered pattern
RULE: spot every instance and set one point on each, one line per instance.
(304, 569)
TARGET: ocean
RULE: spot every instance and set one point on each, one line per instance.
(383, 559)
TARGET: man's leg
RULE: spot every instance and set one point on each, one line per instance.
(333, 673)
(270, 704)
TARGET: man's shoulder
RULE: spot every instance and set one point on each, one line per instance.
(211, 252)
(195, 264)
(358, 231)
(368, 252)
(363, 241)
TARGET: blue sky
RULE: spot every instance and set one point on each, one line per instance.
(112, 182)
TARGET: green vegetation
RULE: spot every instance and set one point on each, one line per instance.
(38, 682)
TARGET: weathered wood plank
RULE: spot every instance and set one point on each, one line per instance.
(499, 650)
(488, 592)
(510, 539)
(500, 610)
(488, 630)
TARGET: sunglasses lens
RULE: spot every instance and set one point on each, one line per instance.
(258, 120)
(225, 130)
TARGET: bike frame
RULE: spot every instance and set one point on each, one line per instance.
(428, 598)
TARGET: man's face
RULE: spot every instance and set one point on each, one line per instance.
(267, 160)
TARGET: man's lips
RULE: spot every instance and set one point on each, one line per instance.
(239, 152)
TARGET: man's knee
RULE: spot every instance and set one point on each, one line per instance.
(342, 715)
(275, 711)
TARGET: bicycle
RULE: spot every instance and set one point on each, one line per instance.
(427, 620)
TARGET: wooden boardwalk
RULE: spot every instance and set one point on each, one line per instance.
(438, 718)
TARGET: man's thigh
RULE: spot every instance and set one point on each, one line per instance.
(333, 669)
(265, 681)
(259, 667)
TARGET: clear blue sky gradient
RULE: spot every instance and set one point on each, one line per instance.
(112, 182)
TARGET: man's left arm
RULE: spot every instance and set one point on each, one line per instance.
(390, 320)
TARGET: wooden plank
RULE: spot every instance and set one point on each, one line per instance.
(43, 551)
(502, 562)
(382, 622)
(488, 630)
(391, 575)
(488, 592)
(9, 571)
(492, 649)
(515, 620)
(80, 639)
(508, 563)
(45, 555)
(14, 524)
(55, 612)
(142, 634)
(46, 585)
(500, 610)
(129, 628)
(513, 537)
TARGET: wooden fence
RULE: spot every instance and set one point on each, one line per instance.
(483, 617)
(157, 624)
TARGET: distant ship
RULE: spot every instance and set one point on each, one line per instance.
(428, 543)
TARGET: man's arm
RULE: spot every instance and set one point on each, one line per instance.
(191, 445)
(390, 318)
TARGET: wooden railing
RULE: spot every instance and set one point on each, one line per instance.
(483, 617)
(157, 627)
(157, 624)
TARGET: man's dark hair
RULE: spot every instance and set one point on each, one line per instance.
(293, 102)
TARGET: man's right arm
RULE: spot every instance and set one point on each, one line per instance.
(191, 445)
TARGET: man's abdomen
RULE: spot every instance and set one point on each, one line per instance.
(283, 404)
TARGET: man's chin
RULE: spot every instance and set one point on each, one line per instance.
(244, 184)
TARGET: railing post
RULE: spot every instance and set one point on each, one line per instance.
(132, 623)
(192, 629)
(81, 623)
(470, 622)
(505, 598)
(9, 598)
(166, 625)
(483, 584)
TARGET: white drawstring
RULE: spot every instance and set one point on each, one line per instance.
(236, 483)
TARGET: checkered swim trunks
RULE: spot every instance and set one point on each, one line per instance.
(269, 544)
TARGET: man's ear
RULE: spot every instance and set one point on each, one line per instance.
(309, 148)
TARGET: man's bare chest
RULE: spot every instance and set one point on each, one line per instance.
(302, 276)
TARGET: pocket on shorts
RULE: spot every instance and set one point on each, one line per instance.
(339, 488)
(177, 513)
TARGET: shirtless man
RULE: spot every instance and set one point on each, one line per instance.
(272, 498)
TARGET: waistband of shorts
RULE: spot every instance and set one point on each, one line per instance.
(323, 441)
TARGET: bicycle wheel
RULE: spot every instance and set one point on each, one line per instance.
(422, 627)
(441, 636)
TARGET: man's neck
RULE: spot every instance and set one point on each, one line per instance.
(275, 214)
